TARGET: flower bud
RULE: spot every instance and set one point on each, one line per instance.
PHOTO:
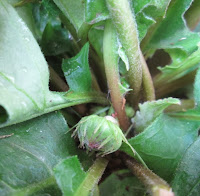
(101, 134)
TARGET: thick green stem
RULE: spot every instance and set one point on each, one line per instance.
(149, 91)
(93, 176)
(125, 24)
(156, 185)
(110, 55)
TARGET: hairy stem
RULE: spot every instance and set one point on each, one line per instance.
(124, 21)
(149, 91)
(110, 55)
(93, 176)
(155, 185)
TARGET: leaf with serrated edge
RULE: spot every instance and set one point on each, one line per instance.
(24, 76)
(150, 110)
(172, 32)
(77, 72)
(162, 144)
(29, 155)
(172, 35)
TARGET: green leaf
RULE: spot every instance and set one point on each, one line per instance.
(55, 41)
(193, 114)
(180, 66)
(76, 71)
(163, 143)
(197, 89)
(95, 36)
(25, 12)
(73, 181)
(172, 31)
(73, 10)
(24, 76)
(95, 11)
(187, 177)
(28, 156)
(172, 35)
(121, 183)
(44, 13)
(147, 13)
(150, 110)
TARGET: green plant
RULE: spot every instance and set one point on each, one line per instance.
(137, 61)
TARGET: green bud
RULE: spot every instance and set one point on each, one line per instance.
(101, 134)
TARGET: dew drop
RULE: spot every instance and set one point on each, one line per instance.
(27, 39)
(24, 70)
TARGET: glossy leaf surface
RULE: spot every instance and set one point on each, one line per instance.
(68, 7)
(173, 35)
(77, 72)
(73, 181)
(149, 111)
(24, 75)
(187, 175)
(28, 156)
(164, 142)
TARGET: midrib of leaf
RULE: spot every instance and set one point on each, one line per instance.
(30, 153)
(10, 187)
(34, 187)
(68, 101)
(181, 115)
(190, 192)
(19, 89)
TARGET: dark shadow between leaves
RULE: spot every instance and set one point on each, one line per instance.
(3, 115)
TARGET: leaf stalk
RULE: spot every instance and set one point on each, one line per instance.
(124, 21)
(112, 73)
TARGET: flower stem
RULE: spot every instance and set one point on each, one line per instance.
(156, 185)
(147, 82)
(110, 55)
(124, 21)
(93, 176)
